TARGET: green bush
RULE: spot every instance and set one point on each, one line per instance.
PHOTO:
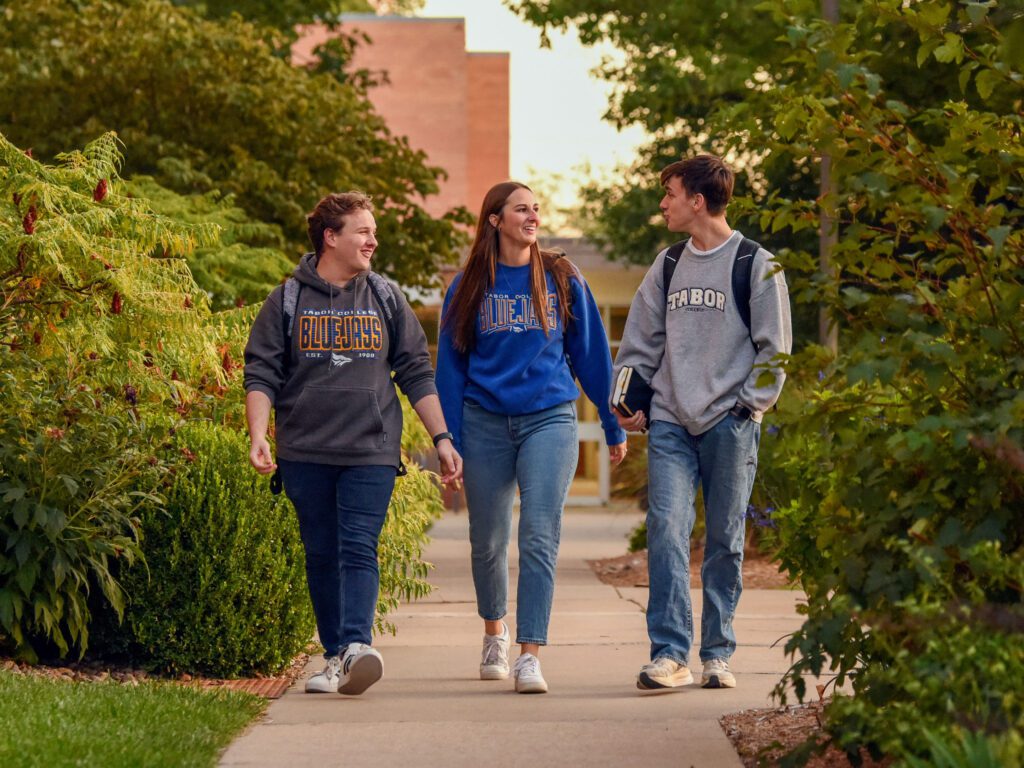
(899, 468)
(223, 591)
(100, 345)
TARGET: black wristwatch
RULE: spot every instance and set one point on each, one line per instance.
(443, 436)
(741, 411)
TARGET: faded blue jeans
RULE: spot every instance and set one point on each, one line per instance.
(341, 513)
(538, 452)
(723, 461)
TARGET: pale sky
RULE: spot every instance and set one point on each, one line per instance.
(556, 104)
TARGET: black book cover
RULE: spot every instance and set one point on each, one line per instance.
(632, 393)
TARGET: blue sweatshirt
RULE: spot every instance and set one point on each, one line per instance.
(514, 368)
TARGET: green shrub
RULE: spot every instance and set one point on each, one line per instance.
(900, 467)
(100, 345)
(223, 591)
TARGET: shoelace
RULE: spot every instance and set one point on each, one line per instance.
(528, 666)
(492, 650)
(718, 665)
(664, 666)
(333, 667)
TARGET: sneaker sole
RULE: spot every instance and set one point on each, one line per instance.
(314, 689)
(647, 683)
(364, 673)
(532, 688)
(716, 681)
(493, 673)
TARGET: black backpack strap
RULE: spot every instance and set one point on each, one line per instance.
(668, 266)
(384, 293)
(742, 266)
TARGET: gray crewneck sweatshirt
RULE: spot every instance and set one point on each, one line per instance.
(695, 350)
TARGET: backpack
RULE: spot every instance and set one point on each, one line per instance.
(382, 292)
(742, 266)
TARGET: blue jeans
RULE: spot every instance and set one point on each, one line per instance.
(341, 512)
(538, 452)
(723, 460)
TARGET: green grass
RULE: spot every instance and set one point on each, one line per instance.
(54, 723)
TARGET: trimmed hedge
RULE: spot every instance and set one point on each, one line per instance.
(223, 591)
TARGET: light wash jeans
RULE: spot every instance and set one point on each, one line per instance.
(341, 513)
(723, 460)
(538, 451)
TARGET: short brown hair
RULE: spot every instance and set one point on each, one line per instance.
(706, 175)
(330, 213)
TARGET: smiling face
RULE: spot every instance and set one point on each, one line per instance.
(679, 208)
(518, 221)
(352, 245)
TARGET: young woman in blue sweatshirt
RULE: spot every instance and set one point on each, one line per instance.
(519, 325)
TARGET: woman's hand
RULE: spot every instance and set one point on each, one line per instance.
(451, 462)
(617, 453)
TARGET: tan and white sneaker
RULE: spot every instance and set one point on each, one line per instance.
(717, 675)
(663, 672)
(494, 659)
(527, 674)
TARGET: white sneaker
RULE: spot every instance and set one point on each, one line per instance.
(527, 674)
(663, 672)
(326, 680)
(494, 660)
(361, 667)
(717, 675)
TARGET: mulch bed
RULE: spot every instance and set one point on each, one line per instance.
(762, 736)
(630, 570)
(100, 671)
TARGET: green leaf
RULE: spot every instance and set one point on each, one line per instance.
(986, 81)
(14, 494)
(998, 237)
(70, 483)
(977, 12)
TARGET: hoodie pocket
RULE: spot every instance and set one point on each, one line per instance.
(334, 420)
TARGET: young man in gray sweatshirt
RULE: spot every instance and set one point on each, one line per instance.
(713, 378)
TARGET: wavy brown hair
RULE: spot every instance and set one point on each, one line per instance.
(481, 268)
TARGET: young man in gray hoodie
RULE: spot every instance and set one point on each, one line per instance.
(714, 371)
(325, 353)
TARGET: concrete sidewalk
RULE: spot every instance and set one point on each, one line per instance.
(431, 709)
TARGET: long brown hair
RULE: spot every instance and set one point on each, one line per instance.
(481, 268)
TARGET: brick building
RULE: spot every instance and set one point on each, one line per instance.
(451, 103)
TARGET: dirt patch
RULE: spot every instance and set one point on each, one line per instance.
(630, 570)
(99, 671)
(762, 736)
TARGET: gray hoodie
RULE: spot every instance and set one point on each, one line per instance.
(335, 401)
(695, 350)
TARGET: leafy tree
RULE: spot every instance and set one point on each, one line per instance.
(704, 77)
(244, 262)
(285, 14)
(208, 106)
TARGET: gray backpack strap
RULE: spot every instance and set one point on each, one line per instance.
(288, 304)
(384, 293)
